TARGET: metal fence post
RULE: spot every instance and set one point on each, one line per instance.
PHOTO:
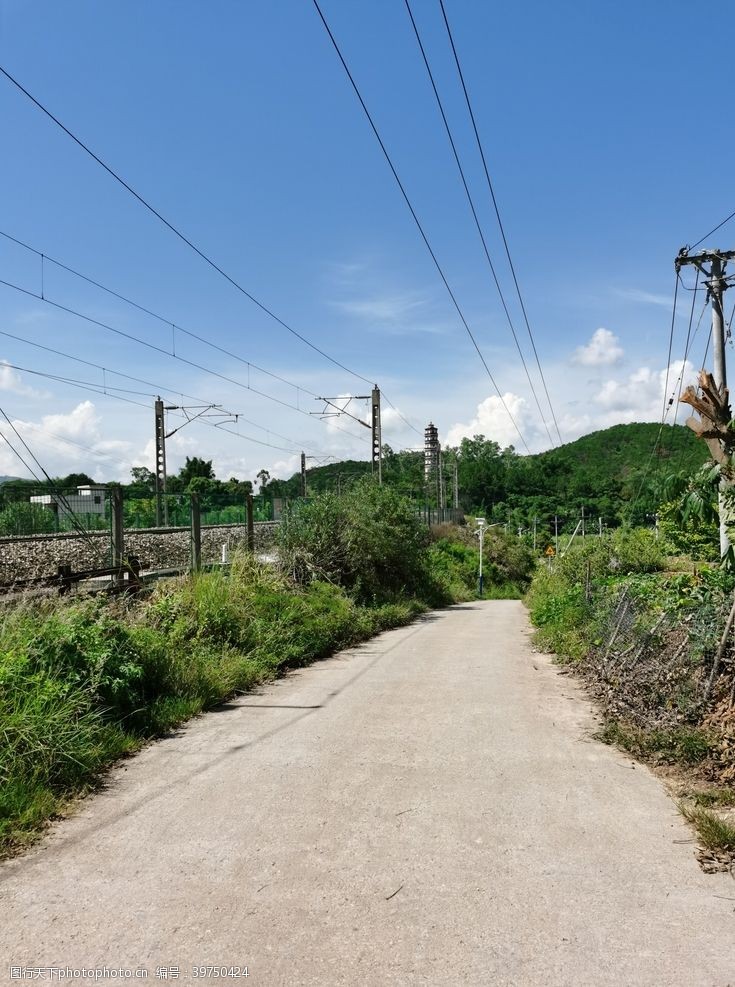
(196, 534)
(118, 535)
(250, 522)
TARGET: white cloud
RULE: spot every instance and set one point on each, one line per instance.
(398, 313)
(66, 443)
(645, 297)
(603, 349)
(640, 396)
(82, 422)
(493, 421)
(10, 380)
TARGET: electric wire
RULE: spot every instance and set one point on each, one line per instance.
(666, 404)
(416, 220)
(72, 514)
(174, 229)
(187, 332)
(152, 346)
(688, 344)
(713, 230)
(497, 214)
(473, 209)
(158, 389)
(671, 343)
(95, 388)
(155, 315)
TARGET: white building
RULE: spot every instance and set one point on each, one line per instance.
(87, 500)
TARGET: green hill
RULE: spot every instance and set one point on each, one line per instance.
(612, 474)
(620, 451)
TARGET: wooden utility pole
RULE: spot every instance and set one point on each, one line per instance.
(715, 409)
(303, 474)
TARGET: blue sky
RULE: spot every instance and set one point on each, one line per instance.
(237, 122)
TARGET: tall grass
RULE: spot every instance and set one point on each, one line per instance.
(82, 683)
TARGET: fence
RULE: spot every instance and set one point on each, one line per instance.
(65, 537)
(441, 515)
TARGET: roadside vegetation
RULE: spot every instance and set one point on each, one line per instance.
(85, 681)
(644, 628)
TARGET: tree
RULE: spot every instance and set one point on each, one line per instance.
(72, 481)
(194, 466)
(143, 478)
(263, 476)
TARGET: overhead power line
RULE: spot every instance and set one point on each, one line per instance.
(151, 346)
(175, 327)
(666, 402)
(713, 230)
(174, 229)
(52, 486)
(470, 200)
(104, 387)
(497, 214)
(106, 390)
(416, 219)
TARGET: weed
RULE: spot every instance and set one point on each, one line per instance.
(714, 797)
(676, 746)
(715, 833)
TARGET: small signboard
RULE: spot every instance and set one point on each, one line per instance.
(550, 551)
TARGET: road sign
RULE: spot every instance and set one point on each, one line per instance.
(549, 551)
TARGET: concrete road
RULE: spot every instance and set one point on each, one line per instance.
(426, 809)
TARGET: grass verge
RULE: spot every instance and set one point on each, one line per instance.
(715, 834)
(83, 683)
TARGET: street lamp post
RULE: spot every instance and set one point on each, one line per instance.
(480, 533)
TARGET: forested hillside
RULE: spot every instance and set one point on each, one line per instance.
(610, 473)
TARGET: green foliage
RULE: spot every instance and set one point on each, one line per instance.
(715, 833)
(681, 746)
(717, 797)
(508, 563)
(569, 617)
(369, 541)
(195, 468)
(83, 682)
(700, 542)
(24, 518)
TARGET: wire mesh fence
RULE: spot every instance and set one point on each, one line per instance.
(29, 510)
(59, 537)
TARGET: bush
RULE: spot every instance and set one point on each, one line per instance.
(508, 563)
(83, 682)
(369, 541)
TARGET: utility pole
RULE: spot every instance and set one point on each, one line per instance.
(716, 287)
(376, 454)
(303, 474)
(377, 441)
(480, 533)
(583, 522)
(161, 503)
(535, 519)
(440, 483)
(202, 411)
(455, 498)
(556, 534)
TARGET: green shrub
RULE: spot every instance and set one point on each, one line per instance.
(368, 541)
(83, 682)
